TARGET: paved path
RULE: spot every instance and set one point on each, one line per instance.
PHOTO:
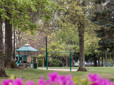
(57, 69)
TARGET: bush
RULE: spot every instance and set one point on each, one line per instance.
(40, 62)
(55, 62)
(12, 64)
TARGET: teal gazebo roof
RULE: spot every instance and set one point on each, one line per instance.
(27, 48)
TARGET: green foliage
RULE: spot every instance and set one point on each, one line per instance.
(104, 18)
(4, 54)
(55, 62)
(99, 1)
(81, 81)
(67, 35)
(54, 47)
(40, 56)
(91, 41)
(21, 12)
(40, 62)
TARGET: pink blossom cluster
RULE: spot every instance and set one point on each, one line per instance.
(56, 79)
(53, 79)
(97, 80)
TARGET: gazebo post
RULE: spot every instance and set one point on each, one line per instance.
(29, 62)
(37, 60)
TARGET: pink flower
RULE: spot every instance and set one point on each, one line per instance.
(41, 81)
(7, 81)
(94, 77)
(105, 82)
(56, 79)
(18, 81)
(53, 78)
(29, 82)
(97, 80)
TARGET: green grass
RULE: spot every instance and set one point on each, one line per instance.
(34, 74)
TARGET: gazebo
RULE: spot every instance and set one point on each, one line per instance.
(26, 57)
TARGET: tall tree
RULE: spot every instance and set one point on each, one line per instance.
(18, 15)
(8, 39)
(11, 9)
(105, 19)
(75, 16)
(2, 68)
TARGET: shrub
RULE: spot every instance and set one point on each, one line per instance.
(40, 62)
(13, 64)
(55, 62)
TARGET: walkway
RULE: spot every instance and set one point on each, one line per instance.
(57, 69)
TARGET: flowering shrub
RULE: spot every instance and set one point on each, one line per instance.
(97, 80)
(56, 79)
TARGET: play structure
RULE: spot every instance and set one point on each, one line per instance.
(18, 59)
(26, 57)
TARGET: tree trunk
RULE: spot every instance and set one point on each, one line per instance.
(106, 56)
(81, 29)
(72, 62)
(43, 62)
(81, 45)
(66, 61)
(95, 62)
(2, 69)
(99, 61)
(8, 41)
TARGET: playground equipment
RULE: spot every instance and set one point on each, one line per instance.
(18, 63)
(59, 52)
(26, 57)
(18, 59)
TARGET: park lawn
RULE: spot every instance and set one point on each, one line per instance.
(34, 74)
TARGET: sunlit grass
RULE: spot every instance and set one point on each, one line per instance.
(34, 74)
